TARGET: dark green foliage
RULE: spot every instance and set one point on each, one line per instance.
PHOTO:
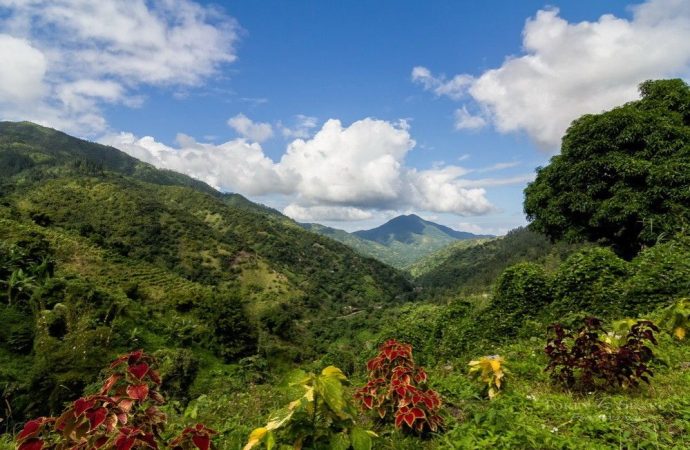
(232, 336)
(523, 290)
(476, 268)
(659, 276)
(621, 178)
(178, 368)
(591, 280)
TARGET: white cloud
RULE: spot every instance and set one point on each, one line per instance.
(570, 69)
(73, 56)
(341, 173)
(454, 88)
(302, 129)
(330, 213)
(254, 131)
(22, 69)
(466, 121)
(499, 166)
(235, 165)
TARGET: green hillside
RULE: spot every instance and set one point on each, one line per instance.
(475, 268)
(400, 242)
(158, 259)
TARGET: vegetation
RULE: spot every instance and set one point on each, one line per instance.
(475, 269)
(583, 358)
(490, 370)
(101, 254)
(321, 417)
(621, 177)
(124, 414)
(396, 390)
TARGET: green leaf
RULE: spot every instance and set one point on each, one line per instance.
(332, 392)
(361, 439)
(332, 371)
(340, 441)
(279, 418)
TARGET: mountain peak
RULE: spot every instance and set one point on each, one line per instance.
(411, 228)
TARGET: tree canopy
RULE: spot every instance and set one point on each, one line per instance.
(622, 177)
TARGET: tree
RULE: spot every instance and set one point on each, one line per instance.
(622, 176)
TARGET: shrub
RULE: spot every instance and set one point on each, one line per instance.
(590, 280)
(396, 390)
(521, 291)
(583, 359)
(123, 415)
(660, 275)
(322, 417)
(490, 370)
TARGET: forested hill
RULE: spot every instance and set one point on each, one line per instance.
(161, 258)
(475, 268)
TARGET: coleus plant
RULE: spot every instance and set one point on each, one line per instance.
(321, 417)
(396, 390)
(124, 415)
(490, 370)
(584, 359)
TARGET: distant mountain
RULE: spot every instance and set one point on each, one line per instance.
(401, 241)
(408, 229)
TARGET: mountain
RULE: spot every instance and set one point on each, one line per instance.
(411, 229)
(400, 242)
(142, 257)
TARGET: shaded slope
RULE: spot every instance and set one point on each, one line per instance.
(476, 268)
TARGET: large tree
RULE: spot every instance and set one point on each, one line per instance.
(622, 177)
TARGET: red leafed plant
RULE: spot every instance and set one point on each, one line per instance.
(197, 437)
(124, 415)
(396, 390)
(582, 359)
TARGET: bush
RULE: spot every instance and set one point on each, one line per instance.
(321, 417)
(582, 359)
(522, 289)
(396, 390)
(591, 280)
(521, 292)
(660, 275)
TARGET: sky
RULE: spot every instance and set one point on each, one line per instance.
(345, 113)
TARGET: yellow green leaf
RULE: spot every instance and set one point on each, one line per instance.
(255, 437)
(332, 371)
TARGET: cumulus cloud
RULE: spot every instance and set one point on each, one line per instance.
(466, 121)
(63, 59)
(302, 128)
(235, 165)
(341, 173)
(22, 69)
(254, 131)
(330, 213)
(454, 88)
(569, 69)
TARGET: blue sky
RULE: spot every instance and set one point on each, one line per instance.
(343, 113)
